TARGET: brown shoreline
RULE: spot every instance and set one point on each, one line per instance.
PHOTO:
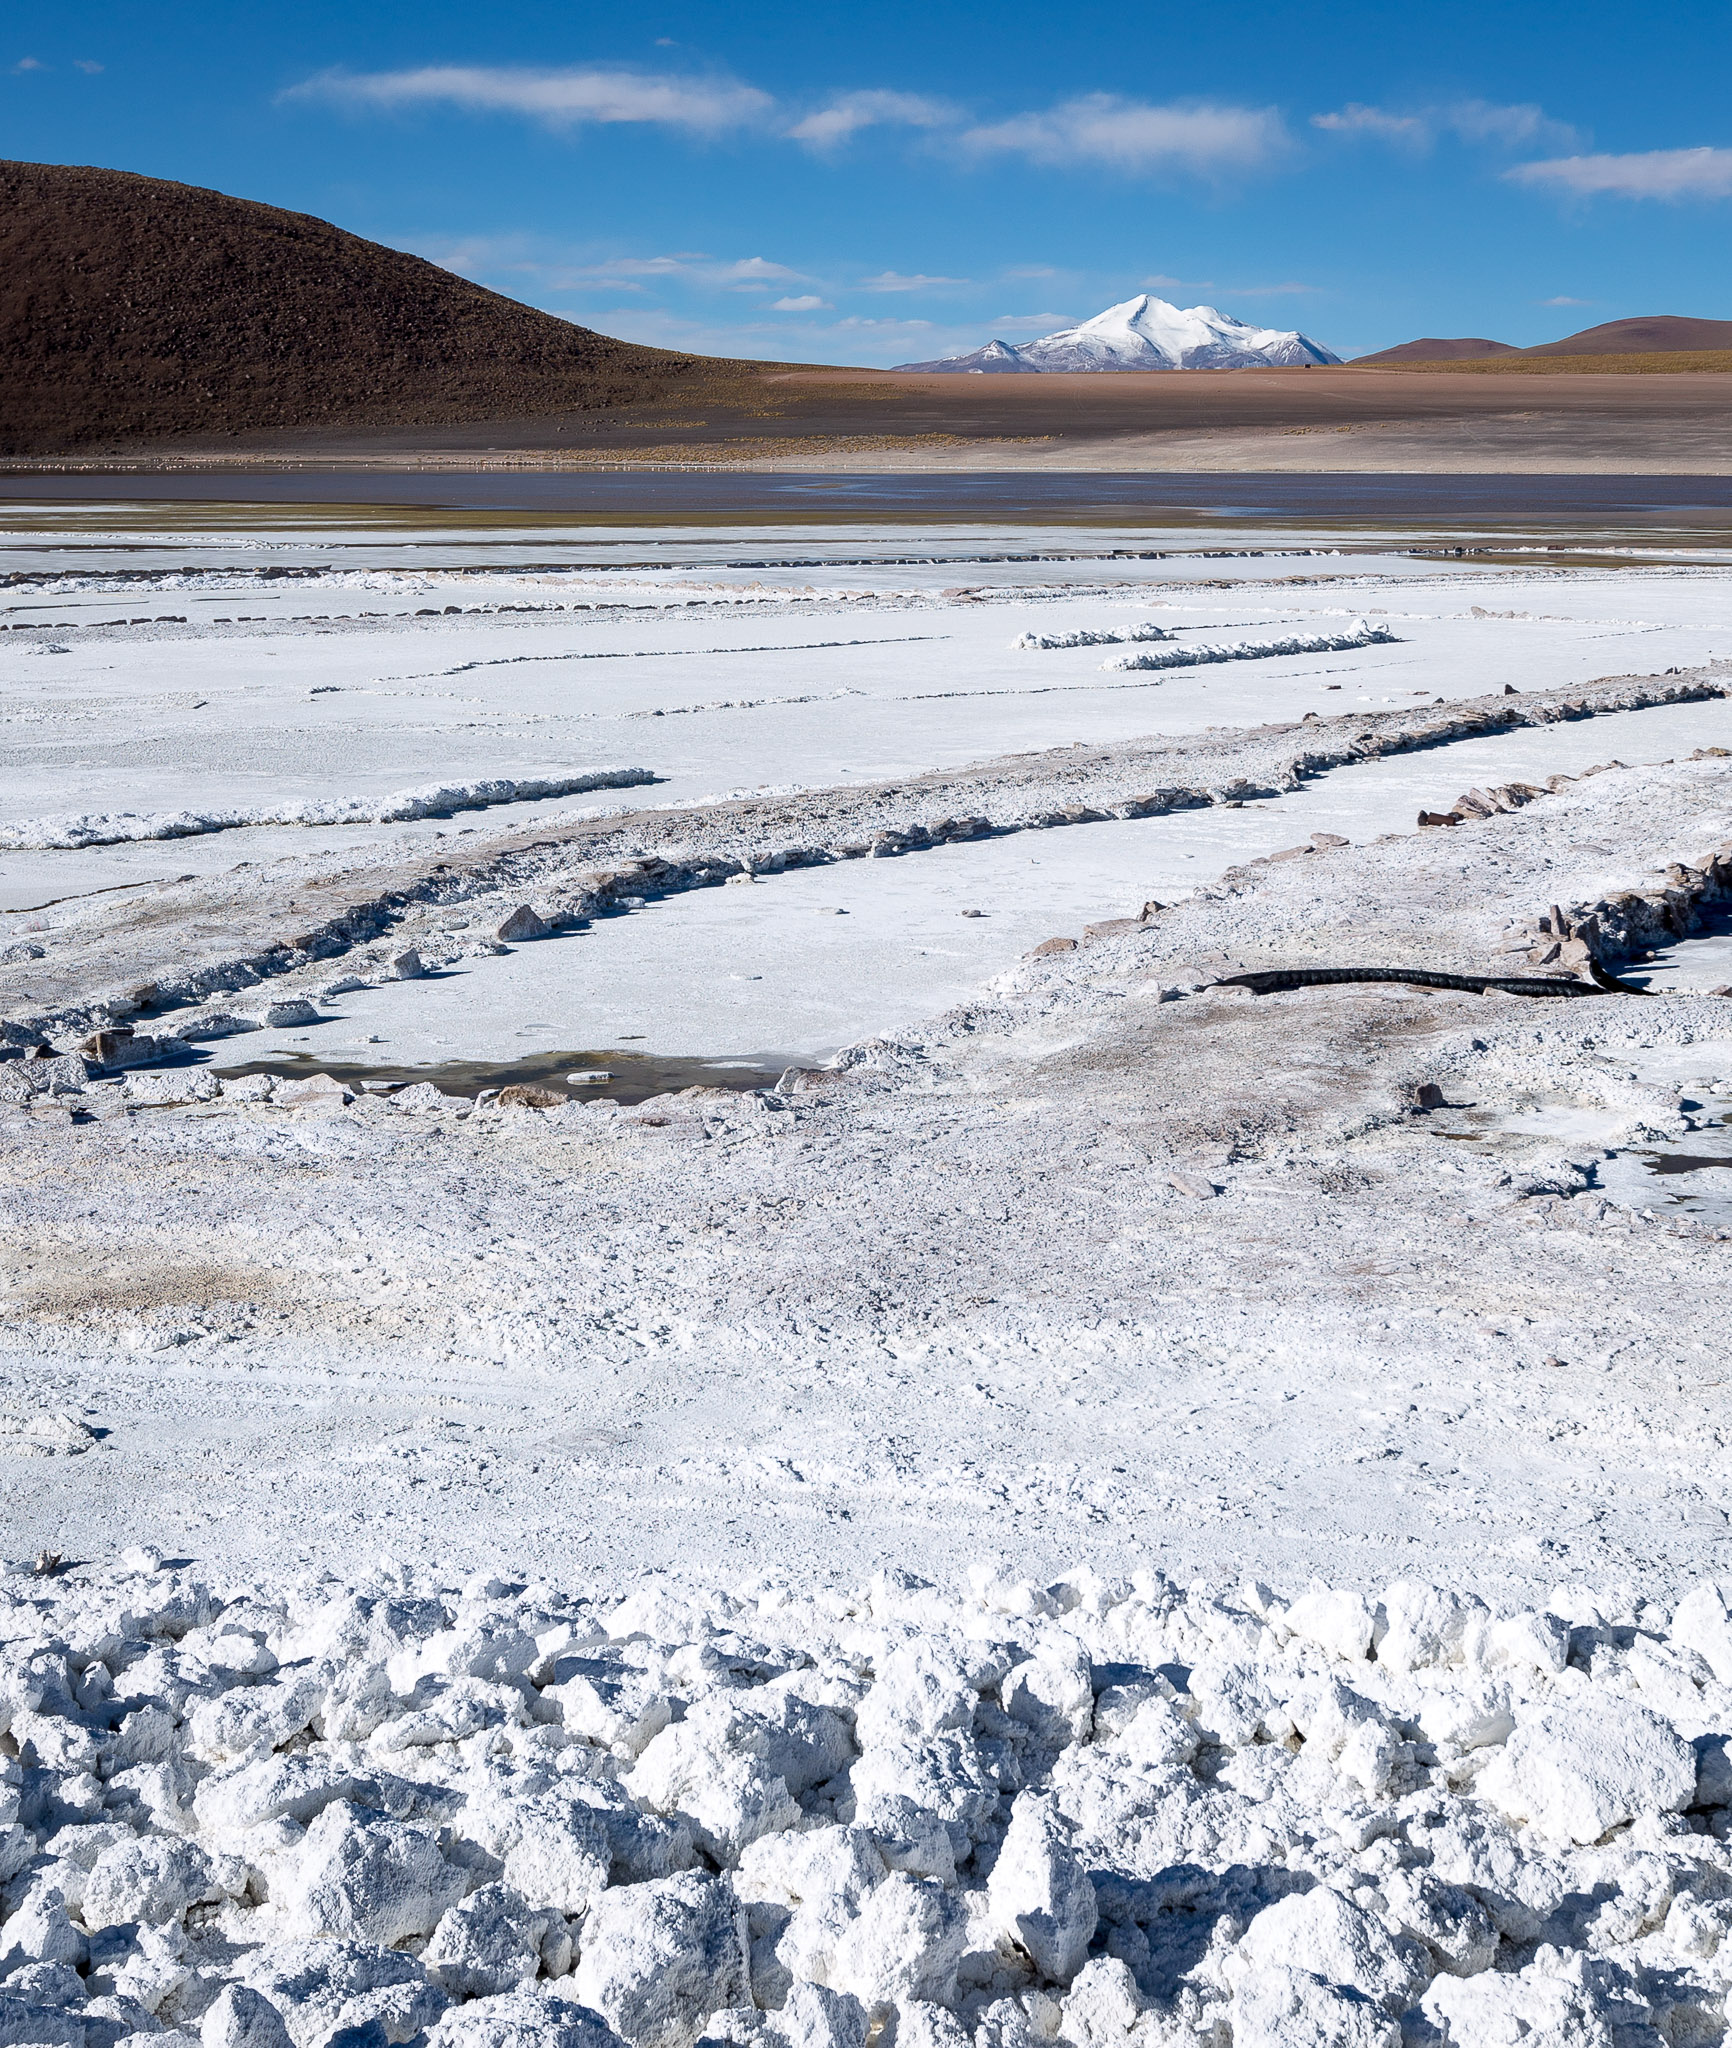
(1397, 419)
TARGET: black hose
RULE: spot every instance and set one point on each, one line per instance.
(1270, 981)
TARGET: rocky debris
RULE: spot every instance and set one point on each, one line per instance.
(405, 966)
(317, 1091)
(216, 1024)
(22, 1080)
(295, 1814)
(423, 1098)
(1483, 803)
(118, 1046)
(523, 923)
(171, 1089)
(285, 1014)
(1629, 922)
(526, 1095)
(45, 1436)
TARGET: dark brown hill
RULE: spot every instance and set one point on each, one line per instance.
(1647, 334)
(1434, 351)
(132, 309)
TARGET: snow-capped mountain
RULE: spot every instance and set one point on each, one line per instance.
(1144, 334)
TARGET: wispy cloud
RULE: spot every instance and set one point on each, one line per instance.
(755, 269)
(1096, 129)
(894, 281)
(1133, 136)
(1231, 291)
(561, 99)
(1648, 174)
(1030, 323)
(849, 112)
(808, 302)
(25, 64)
(1566, 302)
(1485, 122)
(86, 65)
(745, 273)
(1376, 122)
(1518, 127)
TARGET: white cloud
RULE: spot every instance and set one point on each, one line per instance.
(1131, 135)
(1649, 174)
(1523, 126)
(1030, 270)
(705, 106)
(789, 337)
(847, 114)
(747, 273)
(28, 64)
(1031, 323)
(85, 65)
(1518, 127)
(756, 267)
(894, 281)
(1566, 302)
(808, 302)
(1354, 119)
(1178, 284)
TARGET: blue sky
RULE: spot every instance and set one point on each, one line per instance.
(881, 182)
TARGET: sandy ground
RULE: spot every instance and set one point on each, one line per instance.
(863, 421)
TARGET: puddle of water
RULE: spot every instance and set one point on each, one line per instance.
(1685, 1162)
(632, 1077)
(1698, 964)
(1671, 1182)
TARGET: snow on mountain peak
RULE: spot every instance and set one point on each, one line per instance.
(1145, 333)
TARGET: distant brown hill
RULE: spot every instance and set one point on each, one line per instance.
(1645, 335)
(133, 309)
(1432, 350)
(1652, 342)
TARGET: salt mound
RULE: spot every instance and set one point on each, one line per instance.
(1104, 1813)
(1359, 634)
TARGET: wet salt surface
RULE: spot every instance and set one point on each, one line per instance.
(723, 972)
(630, 1076)
(758, 659)
(1702, 960)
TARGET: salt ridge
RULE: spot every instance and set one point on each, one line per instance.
(436, 800)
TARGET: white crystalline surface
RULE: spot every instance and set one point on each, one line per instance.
(395, 679)
(292, 1813)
